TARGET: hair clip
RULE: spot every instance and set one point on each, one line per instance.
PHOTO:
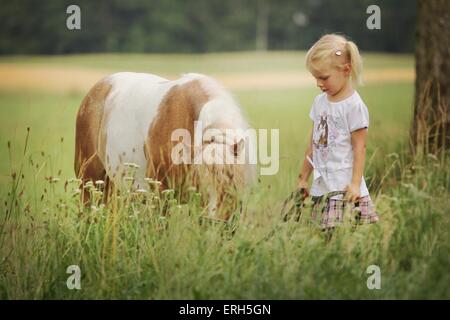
(338, 53)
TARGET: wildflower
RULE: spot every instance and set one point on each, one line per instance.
(155, 182)
(99, 182)
(53, 179)
(168, 191)
(131, 165)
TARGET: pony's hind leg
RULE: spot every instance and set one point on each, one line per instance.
(94, 171)
(90, 139)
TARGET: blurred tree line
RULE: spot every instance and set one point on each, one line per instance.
(39, 27)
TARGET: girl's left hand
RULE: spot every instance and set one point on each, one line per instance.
(353, 193)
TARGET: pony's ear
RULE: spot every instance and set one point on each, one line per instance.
(238, 147)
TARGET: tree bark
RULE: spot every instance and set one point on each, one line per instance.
(431, 124)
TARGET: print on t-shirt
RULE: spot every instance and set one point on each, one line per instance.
(326, 132)
(322, 131)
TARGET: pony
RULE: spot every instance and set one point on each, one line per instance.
(136, 119)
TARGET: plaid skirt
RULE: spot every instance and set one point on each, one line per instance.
(331, 212)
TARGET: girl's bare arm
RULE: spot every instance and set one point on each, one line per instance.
(359, 156)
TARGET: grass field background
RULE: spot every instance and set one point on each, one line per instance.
(131, 251)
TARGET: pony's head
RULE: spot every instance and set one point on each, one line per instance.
(228, 149)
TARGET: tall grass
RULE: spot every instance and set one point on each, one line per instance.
(163, 249)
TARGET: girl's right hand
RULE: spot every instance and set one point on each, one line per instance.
(303, 185)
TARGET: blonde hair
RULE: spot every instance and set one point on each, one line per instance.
(338, 51)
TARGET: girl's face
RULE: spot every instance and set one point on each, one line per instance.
(332, 80)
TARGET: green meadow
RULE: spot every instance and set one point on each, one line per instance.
(163, 249)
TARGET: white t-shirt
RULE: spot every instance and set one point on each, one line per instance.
(332, 147)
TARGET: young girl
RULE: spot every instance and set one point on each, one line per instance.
(337, 148)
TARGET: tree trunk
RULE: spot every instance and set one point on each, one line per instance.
(430, 130)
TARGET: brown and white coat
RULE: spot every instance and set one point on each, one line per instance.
(129, 118)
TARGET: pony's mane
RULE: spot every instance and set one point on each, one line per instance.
(223, 111)
(222, 107)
